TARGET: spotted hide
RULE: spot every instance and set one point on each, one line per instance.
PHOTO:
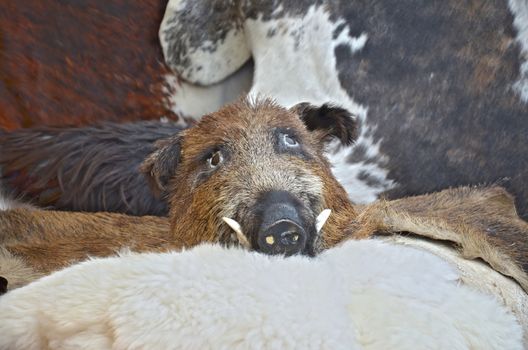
(440, 87)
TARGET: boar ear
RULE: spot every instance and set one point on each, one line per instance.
(159, 167)
(331, 121)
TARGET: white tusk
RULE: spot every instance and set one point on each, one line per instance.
(321, 219)
(238, 230)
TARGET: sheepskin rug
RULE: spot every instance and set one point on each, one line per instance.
(361, 295)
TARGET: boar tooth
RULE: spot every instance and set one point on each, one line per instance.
(238, 230)
(321, 219)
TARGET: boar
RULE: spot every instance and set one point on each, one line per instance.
(253, 161)
(260, 165)
(255, 174)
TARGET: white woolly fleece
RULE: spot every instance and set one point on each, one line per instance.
(362, 295)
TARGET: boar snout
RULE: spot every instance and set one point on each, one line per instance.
(282, 237)
(283, 224)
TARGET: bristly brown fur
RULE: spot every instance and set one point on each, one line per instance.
(38, 242)
(15, 271)
(242, 124)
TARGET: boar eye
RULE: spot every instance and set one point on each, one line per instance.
(215, 159)
(289, 141)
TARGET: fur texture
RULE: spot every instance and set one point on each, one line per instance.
(85, 169)
(436, 91)
(481, 222)
(15, 270)
(476, 274)
(363, 295)
(38, 242)
(78, 63)
(248, 135)
(465, 217)
(7, 202)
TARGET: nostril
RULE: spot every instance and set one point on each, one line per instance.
(289, 237)
(282, 237)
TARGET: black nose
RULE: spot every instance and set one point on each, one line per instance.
(281, 230)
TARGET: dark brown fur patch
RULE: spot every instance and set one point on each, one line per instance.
(332, 121)
(84, 169)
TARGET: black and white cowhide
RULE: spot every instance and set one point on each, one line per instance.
(440, 88)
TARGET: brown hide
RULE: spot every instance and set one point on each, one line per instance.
(77, 62)
(50, 240)
(481, 222)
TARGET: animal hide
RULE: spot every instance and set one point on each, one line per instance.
(361, 295)
(481, 222)
(93, 168)
(78, 62)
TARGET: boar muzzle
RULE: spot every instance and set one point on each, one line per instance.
(282, 226)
